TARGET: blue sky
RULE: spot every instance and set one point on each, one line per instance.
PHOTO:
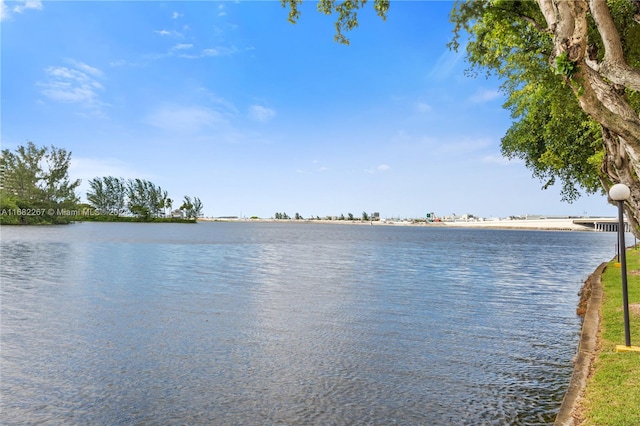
(230, 102)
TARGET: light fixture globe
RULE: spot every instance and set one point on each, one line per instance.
(619, 192)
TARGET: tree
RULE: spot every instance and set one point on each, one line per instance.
(116, 191)
(197, 207)
(192, 207)
(145, 199)
(56, 186)
(365, 216)
(571, 73)
(162, 201)
(38, 176)
(187, 206)
(138, 198)
(97, 195)
(347, 11)
(21, 171)
(108, 194)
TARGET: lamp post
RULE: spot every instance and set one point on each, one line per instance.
(620, 192)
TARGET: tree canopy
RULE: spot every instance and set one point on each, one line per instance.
(569, 70)
(551, 133)
(35, 188)
(571, 73)
(38, 175)
(36, 178)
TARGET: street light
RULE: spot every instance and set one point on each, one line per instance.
(620, 192)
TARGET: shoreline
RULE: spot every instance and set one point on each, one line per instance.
(537, 224)
(591, 295)
(564, 224)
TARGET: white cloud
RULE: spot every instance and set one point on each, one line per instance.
(221, 11)
(66, 92)
(423, 107)
(222, 103)
(187, 119)
(167, 33)
(86, 68)
(74, 84)
(379, 169)
(182, 46)
(219, 51)
(20, 7)
(205, 53)
(261, 114)
(176, 15)
(485, 95)
(4, 11)
(27, 4)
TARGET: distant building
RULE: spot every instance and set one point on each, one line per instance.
(177, 214)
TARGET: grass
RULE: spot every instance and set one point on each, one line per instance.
(612, 395)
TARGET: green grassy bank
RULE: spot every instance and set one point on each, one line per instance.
(612, 395)
(44, 219)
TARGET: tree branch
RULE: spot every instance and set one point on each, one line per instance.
(549, 12)
(614, 66)
(600, 101)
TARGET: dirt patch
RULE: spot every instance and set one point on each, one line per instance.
(634, 309)
(634, 272)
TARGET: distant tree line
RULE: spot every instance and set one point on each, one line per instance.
(137, 197)
(365, 217)
(35, 188)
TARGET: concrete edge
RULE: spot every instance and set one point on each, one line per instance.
(586, 351)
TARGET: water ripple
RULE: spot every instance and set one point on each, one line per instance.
(288, 324)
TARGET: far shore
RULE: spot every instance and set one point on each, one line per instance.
(552, 224)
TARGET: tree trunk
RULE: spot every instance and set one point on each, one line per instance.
(600, 89)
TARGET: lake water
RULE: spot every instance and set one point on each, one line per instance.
(289, 324)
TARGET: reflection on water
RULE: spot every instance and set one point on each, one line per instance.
(220, 323)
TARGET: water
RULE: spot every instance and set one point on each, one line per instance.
(289, 324)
